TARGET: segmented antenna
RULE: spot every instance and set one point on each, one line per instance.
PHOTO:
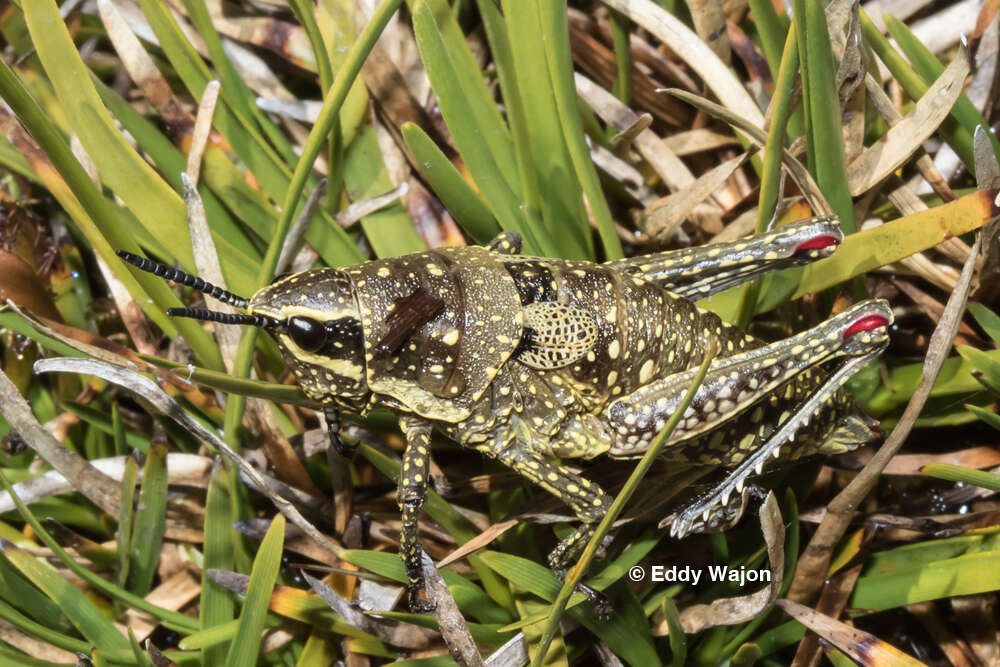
(224, 318)
(169, 273)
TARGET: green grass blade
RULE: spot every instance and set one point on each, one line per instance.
(826, 134)
(332, 104)
(987, 319)
(470, 598)
(268, 167)
(458, 197)
(930, 68)
(622, 87)
(575, 574)
(913, 582)
(141, 657)
(121, 168)
(35, 629)
(82, 613)
(98, 218)
(390, 231)
(20, 593)
(772, 28)
(171, 619)
(150, 521)
(954, 473)
(959, 138)
(437, 507)
(125, 521)
(988, 416)
(216, 604)
(678, 642)
(543, 157)
(255, 152)
(234, 90)
(246, 643)
(521, 126)
(221, 188)
(555, 29)
(770, 180)
(474, 98)
(984, 362)
(621, 633)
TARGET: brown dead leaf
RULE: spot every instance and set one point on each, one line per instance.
(19, 283)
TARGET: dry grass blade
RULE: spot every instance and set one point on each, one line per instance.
(972, 457)
(173, 593)
(665, 216)
(731, 611)
(621, 142)
(710, 24)
(803, 179)
(832, 601)
(88, 480)
(97, 348)
(454, 630)
(955, 648)
(33, 647)
(668, 166)
(861, 646)
(186, 469)
(812, 566)
(514, 653)
(698, 140)
(908, 135)
(258, 413)
(202, 128)
(141, 67)
(361, 209)
(20, 284)
(160, 402)
(206, 260)
(699, 57)
(399, 634)
(479, 541)
(300, 226)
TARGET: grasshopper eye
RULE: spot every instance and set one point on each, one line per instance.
(307, 333)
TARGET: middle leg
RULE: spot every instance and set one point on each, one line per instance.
(588, 501)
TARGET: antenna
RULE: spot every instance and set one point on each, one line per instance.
(164, 271)
(225, 318)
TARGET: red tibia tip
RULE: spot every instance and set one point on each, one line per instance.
(818, 242)
(866, 323)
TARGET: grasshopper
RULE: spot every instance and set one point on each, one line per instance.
(530, 360)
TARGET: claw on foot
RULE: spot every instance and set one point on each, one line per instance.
(603, 609)
(417, 602)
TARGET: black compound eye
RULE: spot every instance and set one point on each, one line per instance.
(307, 333)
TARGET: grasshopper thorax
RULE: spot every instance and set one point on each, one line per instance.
(315, 321)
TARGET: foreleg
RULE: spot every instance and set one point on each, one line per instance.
(411, 494)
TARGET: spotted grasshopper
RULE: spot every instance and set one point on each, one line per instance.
(531, 360)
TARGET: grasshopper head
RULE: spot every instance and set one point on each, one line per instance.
(312, 315)
(314, 318)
